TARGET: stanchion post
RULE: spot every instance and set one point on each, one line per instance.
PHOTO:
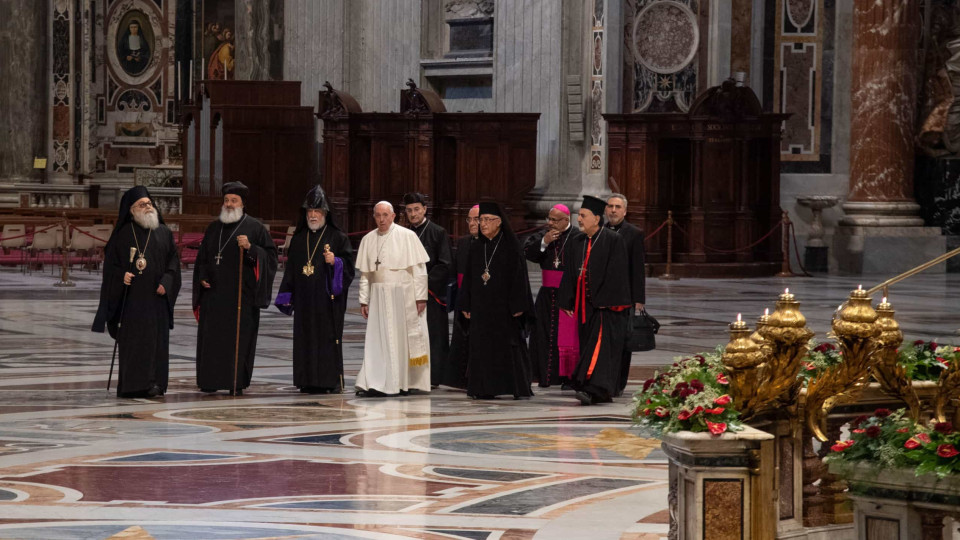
(785, 235)
(667, 276)
(64, 266)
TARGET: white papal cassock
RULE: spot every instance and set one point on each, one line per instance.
(396, 352)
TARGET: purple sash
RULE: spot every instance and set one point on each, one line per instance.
(568, 341)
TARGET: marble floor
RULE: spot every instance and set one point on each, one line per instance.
(76, 462)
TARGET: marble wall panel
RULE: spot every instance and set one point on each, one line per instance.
(797, 76)
(723, 509)
(740, 37)
(662, 54)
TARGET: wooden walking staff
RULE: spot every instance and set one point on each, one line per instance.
(123, 304)
(236, 351)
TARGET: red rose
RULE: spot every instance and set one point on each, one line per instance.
(943, 427)
(649, 401)
(858, 420)
(647, 384)
(918, 342)
(722, 379)
(873, 432)
(923, 437)
(947, 451)
(661, 412)
(722, 400)
(696, 385)
(717, 428)
(715, 410)
(933, 345)
(881, 413)
(912, 444)
(646, 412)
(684, 415)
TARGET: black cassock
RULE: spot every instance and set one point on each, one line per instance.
(318, 301)
(436, 242)
(636, 255)
(499, 361)
(455, 373)
(602, 308)
(216, 307)
(544, 353)
(144, 336)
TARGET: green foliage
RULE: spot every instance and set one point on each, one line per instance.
(691, 395)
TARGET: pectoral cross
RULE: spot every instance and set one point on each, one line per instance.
(218, 257)
(377, 269)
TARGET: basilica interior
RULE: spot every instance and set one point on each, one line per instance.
(761, 145)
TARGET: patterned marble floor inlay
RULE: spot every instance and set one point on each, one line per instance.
(77, 462)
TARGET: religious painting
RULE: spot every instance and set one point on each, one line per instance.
(219, 47)
(135, 42)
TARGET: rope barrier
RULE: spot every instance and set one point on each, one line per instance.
(85, 233)
(25, 235)
(654, 233)
(738, 250)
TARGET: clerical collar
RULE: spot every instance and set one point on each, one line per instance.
(617, 226)
(494, 239)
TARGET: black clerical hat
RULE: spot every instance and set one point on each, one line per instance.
(414, 198)
(236, 188)
(490, 208)
(593, 204)
(316, 199)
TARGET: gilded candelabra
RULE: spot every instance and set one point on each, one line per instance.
(856, 331)
(948, 390)
(789, 340)
(742, 357)
(886, 369)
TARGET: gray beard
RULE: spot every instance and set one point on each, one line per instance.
(317, 227)
(230, 216)
(147, 220)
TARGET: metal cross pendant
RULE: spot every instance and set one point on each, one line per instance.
(218, 257)
(377, 269)
(485, 276)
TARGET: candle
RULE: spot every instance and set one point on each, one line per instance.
(859, 287)
(738, 317)
(766, 312)
(884, 301)
(786, 291)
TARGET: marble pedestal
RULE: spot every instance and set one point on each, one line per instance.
(722, 487)
(885, 238)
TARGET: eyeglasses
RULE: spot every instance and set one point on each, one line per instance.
(143, 205)
(553, 220)
(488, 219)
(472, 220)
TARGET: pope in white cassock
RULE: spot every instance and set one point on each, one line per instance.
(393, 298)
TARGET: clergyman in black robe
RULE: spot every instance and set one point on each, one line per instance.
(141, 281)
(554, 345)
(633, 239)
(455, 374)
(314, 288)
(595, 288)
(496, 300)
(436, 242)
(216, 284)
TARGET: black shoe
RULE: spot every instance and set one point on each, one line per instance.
(607, 399)
(207, 390)
(542, 385)
(585, 398)
(566, 386)
(154, 391)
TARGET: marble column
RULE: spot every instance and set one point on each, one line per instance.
(259, 55)
(23, 70)
(881, 215)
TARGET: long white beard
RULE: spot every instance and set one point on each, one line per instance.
(316, 226)
(228, 216)
(147, 219)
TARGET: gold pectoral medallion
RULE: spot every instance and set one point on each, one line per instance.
(141, 264)
(308, 269)
(485, 276)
